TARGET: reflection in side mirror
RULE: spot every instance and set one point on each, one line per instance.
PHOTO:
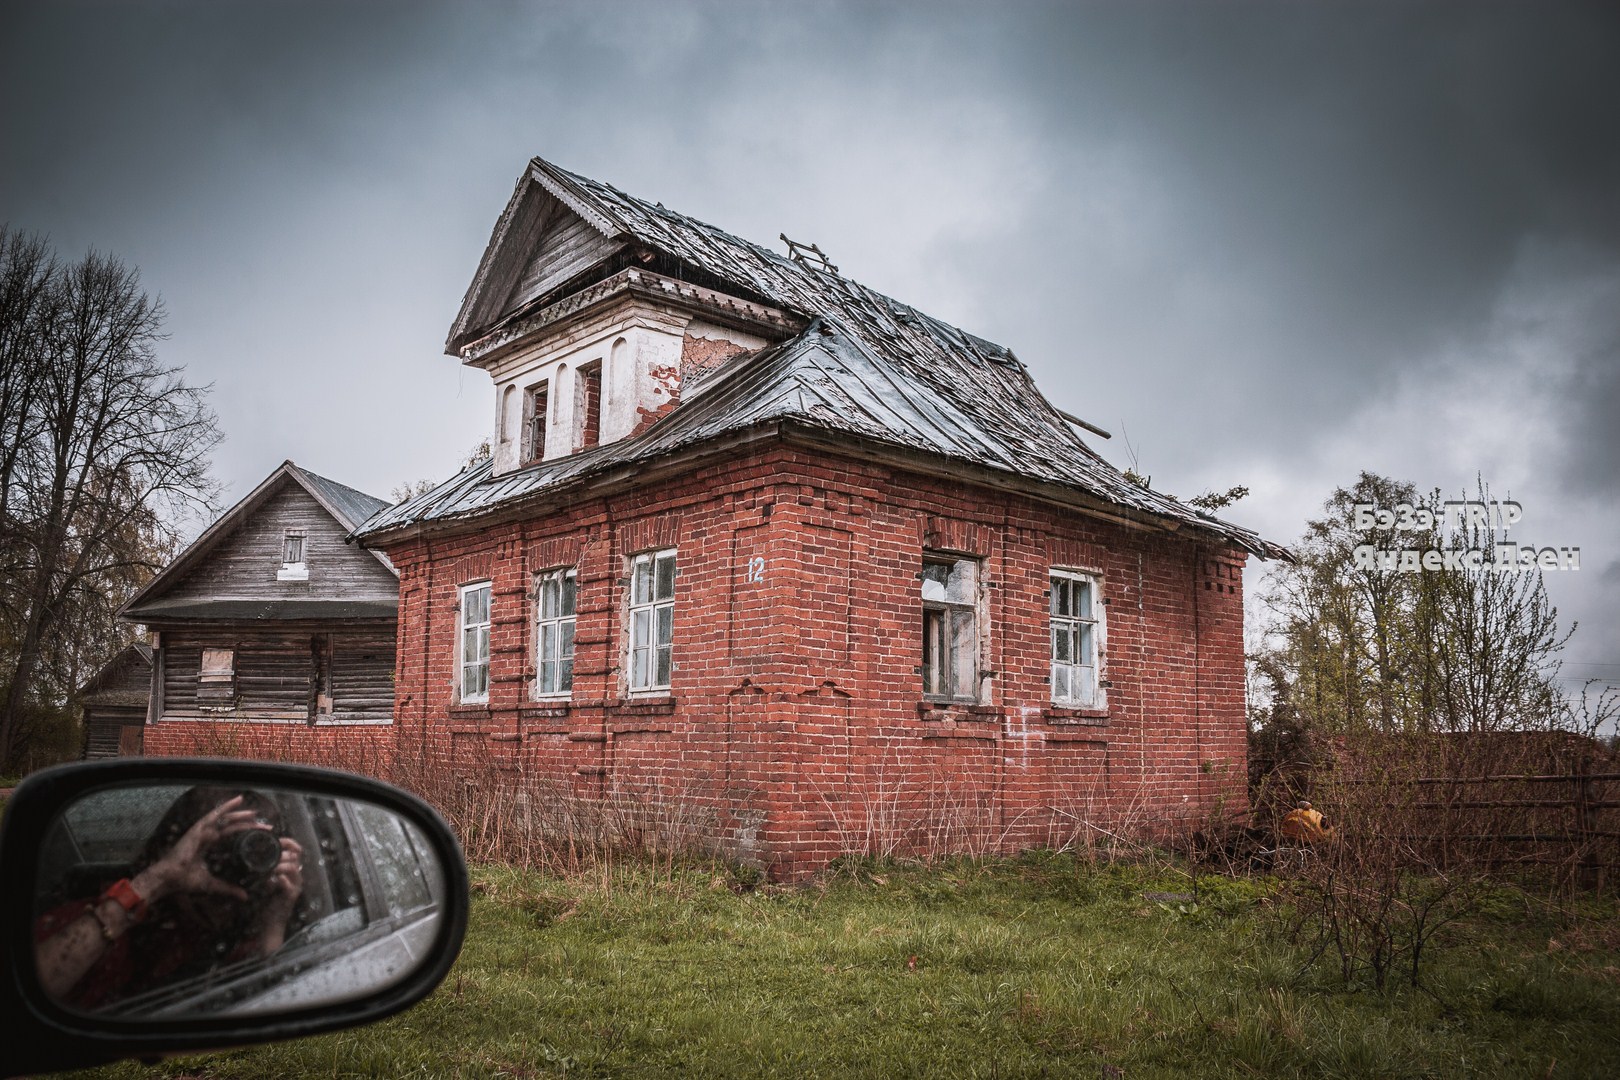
(162, 900)
(161, 906)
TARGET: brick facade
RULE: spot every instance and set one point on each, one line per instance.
(796, 713)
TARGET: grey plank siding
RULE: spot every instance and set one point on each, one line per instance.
(568, 245)
(363, 676)
(182, 668)
(277, 671)
(245, 564)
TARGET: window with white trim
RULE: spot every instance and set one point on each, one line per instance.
(472, 669)
(293, 542)
(651, 620)
(950, 628)
(554, 633)
(1076, 619)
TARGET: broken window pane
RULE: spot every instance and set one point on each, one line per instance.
(1075, 630)
(950, 629)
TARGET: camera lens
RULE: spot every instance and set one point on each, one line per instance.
(245, 858)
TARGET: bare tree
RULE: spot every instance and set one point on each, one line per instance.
(104, 446)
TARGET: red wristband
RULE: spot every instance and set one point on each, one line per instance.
(128, 899)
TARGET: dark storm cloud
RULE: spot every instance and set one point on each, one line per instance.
(1365, 176)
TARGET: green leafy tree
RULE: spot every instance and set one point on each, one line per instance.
(1363, 645)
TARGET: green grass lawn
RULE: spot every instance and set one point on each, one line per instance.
(1035, 966)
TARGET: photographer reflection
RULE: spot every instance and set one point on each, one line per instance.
(216, 883)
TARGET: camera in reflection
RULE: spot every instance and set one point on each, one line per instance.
(245, 859)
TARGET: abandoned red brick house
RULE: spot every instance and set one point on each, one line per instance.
(272, 634)
(756, 535)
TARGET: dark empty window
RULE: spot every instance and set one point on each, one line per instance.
(535, 435)
(590, 405)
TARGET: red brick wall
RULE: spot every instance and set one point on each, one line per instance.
(796, 714)
(364, 748)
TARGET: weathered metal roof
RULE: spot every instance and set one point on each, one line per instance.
(866, 365)
(349, 505)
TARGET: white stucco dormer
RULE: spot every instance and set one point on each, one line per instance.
(604, 370)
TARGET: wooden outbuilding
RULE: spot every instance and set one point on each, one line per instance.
(271, 618)
(115, 701)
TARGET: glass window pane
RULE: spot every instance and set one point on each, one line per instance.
(663, 667)
(641, 629)
(565, 675)
(1085, 685)
(935, 577)
(1062, 643)
(641, 590)
(1060, 596)
(1086, 656)
(1082, 591)
(1060, 682)
(567, 630)
(964, 655)
(666, 578)
(666, 624)
(548, 598)
(962, 587)
(638, 668)
(566, 604)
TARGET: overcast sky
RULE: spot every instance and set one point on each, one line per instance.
(1270, 244)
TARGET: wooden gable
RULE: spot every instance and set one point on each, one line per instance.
(237, 569)
(538, 244)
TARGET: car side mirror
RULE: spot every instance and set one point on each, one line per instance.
(161, 906)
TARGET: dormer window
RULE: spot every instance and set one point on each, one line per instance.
(536, 410)
(293, 567)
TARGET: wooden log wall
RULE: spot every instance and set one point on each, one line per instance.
(287, 675)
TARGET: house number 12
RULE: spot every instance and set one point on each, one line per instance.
(756, 570)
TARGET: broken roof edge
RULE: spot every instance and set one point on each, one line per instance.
(600, 481)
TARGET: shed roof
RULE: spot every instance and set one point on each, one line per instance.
(865, 365)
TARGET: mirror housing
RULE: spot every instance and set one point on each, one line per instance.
(44, 1035)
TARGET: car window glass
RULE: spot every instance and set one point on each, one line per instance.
(396, 859)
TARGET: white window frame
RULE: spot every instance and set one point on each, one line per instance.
(1077, 635)
(952, 628)
(554, 632)
(649, 624)
(294, 569)
(479, 640)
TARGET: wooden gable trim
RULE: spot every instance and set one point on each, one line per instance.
(536, 198)
(227, 523)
